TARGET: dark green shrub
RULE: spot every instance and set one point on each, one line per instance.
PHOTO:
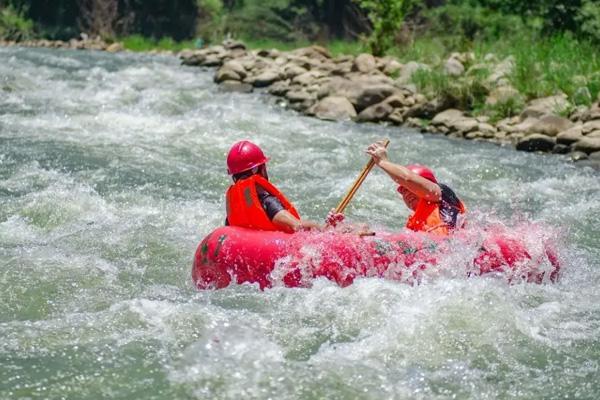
(386, 17)
(465, 93)
(13, 25)
(466, 22)
(588, 19)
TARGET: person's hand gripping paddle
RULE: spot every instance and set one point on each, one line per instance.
(336, 216)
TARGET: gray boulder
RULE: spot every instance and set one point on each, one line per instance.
(425, 110)
(536, 142)
(396, 117)
(593, 134)
(592, 113)
(486, 130)
(307, 78)
(115, 47)
(587, 145)
(236, 67)
(591, 126)
(279, 88)
(364, 63)
(369, 95)
(314, 51)
(212, 61)
(375, 113)
(569, 136)
(265, 78)
(398, 100)
(550, 125)
(464, 125)
(408, 70)
(296, 96)
(334, 108)
(547, 105)
(503, 94)
(226, 74)
(391, 66)
(292, 70)
(362, 91)
(501, 71)
(447, 117)
(524, 126)
(453, 67)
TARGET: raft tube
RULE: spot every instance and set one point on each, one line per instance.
(239, 255)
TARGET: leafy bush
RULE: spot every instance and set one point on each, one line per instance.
(465, 93)
(386, 17)
(141, 43)
(211, 18)
(505, 108)
(464, 23)
(13, 25)
(557, 64)
(280, 20)
(589, 20)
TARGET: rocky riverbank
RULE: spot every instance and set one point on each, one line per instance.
(82, 43)
(371, 89)
(381, 90)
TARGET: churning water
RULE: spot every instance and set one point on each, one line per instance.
(112, 170)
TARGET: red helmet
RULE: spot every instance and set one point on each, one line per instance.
(244, 155)
(423, 171)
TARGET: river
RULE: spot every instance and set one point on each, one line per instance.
(112, 169)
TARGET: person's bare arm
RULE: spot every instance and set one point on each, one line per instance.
(285, 219)
(418, 185)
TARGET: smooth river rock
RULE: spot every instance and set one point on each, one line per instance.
(570, 135)
(536, 142)
(334, 108)
(375, 113)
(447, 117)
(587, 145)
(364, 63)
(546, 105)
(265, 78)
(550, 125)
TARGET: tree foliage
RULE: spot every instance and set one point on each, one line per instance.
(13, 25)
(386, 17)
(297, 20)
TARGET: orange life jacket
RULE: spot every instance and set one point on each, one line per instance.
(427, 218)
(245, 209)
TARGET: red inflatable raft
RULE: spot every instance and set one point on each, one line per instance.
(233, 254)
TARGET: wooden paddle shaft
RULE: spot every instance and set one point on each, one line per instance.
(344, 203)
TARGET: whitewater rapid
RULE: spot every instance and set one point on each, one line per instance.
(112, 169)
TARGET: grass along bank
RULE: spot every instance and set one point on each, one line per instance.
(468, 95)
(534, 66)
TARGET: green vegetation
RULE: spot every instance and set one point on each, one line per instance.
(550, 46)
(386, 18)
(542, 67)
(335, 47)
(560, 63)
(141, 43)
(13, 24)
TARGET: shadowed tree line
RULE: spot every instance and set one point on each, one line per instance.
(383, 23)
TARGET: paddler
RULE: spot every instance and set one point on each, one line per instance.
(254, 202)
(435, 206)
